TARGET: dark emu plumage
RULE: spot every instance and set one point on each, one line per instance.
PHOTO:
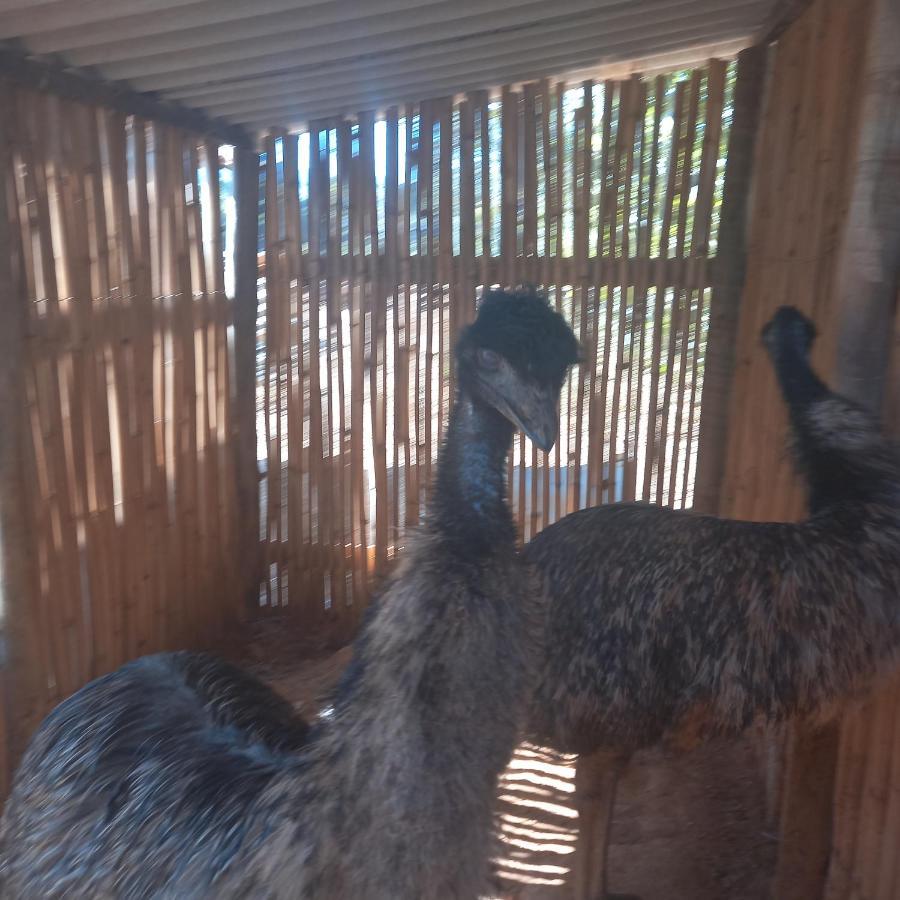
(668, 626)
(178, 776)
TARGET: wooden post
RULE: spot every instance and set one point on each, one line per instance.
(806, 811)
(867, 283)
(245, 311)
(728, 279)
(15, 547)
(869, 267)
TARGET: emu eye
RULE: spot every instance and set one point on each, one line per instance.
(488, 359)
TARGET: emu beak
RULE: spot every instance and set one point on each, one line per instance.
(534, 410)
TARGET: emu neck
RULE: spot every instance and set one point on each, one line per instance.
(844, 469)
(470, 495)
(799, 384)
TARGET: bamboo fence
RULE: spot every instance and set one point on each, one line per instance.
(127, 406)
(379, 236)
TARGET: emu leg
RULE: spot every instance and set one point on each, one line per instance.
(595, 793)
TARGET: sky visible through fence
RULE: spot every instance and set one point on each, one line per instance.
(379, 234)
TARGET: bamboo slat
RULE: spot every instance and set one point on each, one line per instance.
(444, 247)
(131, 593)
(485, 155)
(270, 398)
(530, 271)
(295, 564)
(389, 501)
(463, 303)
(581, 200)
(393, 219)
(425, 335)
(655, 435)
(607, 236)
(561, 450)
(372, 336)
(206, 517)
(712, 136)
(52, 514)
(630, 112)
(347, 383)
(684, 293)
(188, 470)
(83, 390)
(546, 107)
(147, 363)
(317, 477)
(409, 400)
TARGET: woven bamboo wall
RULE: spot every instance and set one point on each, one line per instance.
(127, 409)
(606, 195)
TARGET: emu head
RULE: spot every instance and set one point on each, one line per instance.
(514, 358)
(788, 334)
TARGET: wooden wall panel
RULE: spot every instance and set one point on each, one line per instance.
(800, 199)
(823, 236)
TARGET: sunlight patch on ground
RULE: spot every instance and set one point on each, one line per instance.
(536, 819)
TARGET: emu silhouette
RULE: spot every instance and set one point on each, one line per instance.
(665, 625)
(178, 776)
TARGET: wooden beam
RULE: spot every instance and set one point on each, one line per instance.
(782, 15)
(869, 268)
(806, 813)
(245, 313)
(728, 281)
(78, 85)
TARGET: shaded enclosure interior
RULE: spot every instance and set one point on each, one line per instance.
(237, 367)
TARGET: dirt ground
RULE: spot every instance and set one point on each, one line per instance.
(686, 827)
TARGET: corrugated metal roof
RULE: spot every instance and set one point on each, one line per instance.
(262, 63)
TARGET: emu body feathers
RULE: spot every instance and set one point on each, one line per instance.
(658, 619)
(667, 625)
(178, 777)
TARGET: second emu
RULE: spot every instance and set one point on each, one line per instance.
(665, 625)
(177, 776)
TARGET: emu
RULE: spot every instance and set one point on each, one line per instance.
(670, 626)
(177, 776)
